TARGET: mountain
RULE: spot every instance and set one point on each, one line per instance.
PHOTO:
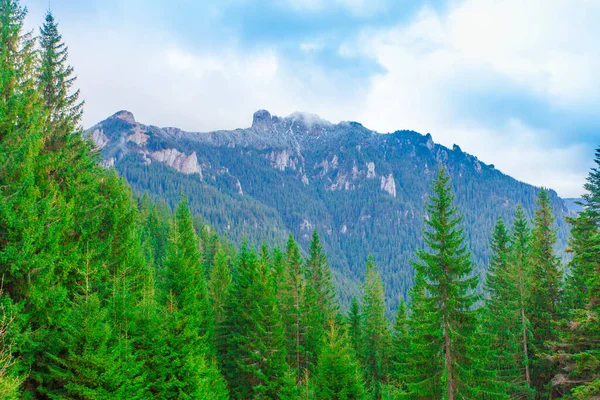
(363, 191)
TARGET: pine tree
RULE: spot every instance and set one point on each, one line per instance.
(545, 292)
(339, 376)
(376, 339)
(443, 300)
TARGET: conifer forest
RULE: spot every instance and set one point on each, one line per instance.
(111, 293)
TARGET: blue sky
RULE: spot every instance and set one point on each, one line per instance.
(513, 82)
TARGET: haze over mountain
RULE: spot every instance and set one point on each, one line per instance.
(363, 191)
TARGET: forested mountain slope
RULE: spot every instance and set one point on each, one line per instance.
(363, 191)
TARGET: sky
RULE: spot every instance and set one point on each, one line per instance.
(514, 82)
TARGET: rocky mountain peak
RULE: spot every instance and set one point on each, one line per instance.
(126, 116)
(262, 119)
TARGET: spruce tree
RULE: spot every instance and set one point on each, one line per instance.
(219, 286)
(520, 265)
(56, 81)
(339, 376)
(499, 372)
(400, 358)
(376, 339)
(578, 349)
(293, 307)
(546, 276)
(255, 364)
(355, 325)
(319, 299)
(444, 296)
(181, 365)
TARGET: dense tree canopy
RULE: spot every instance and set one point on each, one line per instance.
(108, 295)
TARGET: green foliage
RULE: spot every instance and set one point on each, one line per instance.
(339, 376)
(376, 340)
(545, 291)
(355, 325)
(501, 372)
(110, 296)
(443, 301)
(577, 351)
(255, 360)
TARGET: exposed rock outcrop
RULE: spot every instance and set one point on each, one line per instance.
(125, 116)
(389, 184)
(175, 159)
(138, 137)
(371, 170)
(282, 160)
(99, 138)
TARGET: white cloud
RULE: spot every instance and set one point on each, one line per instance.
(545, 48)
(539, 46)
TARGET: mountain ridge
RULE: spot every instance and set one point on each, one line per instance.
(363, 191)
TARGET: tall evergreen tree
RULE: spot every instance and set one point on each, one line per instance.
(181, 365)
(376, 339)
(546, 276)
(56, 81)
(520, 264)
(578, 349)
(501, 369)
(339, 376)
(355, 325)
(445, 297)
(293, 307)
(319, 299)
(255, 364)
(400, 361)
(219, 286)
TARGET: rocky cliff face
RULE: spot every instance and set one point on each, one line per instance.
(363, 191)
(126, 137)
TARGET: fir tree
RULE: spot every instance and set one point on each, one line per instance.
(445, 296)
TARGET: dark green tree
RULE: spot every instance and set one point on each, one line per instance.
(376, 339)
(445, 296)
(319, 299)
(255, 363)
(577, 351)
(355, 325)
(500, 371)
(545, 293)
